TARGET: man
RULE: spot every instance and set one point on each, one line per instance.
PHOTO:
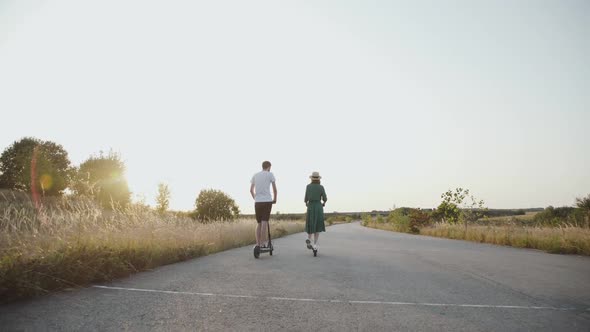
(263, 201)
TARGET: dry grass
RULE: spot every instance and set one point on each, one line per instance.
(73, 242)
(562, 240)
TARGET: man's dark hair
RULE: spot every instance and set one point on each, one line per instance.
(266, 164)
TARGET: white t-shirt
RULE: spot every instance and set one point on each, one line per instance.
(262, 181)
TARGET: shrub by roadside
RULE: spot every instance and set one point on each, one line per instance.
(338, 219)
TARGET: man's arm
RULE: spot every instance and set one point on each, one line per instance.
(274, 191)
(252, 191)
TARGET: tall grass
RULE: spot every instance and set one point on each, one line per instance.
(561, 240)
(73, 242)
(517, 231)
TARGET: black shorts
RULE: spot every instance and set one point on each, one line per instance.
(262, 210)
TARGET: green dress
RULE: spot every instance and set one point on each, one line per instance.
(314, 219)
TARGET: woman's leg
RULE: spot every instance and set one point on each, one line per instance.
(308, 241)
(315, 238)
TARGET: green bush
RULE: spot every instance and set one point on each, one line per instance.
(400, 220)
(379, 219)
(560, 216)
(215, 205)
(418, 219)
(366, 219)
(408, 220)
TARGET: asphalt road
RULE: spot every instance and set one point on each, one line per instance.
(362, 280)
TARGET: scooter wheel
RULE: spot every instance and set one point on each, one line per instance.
(270, 252)
(256, 252)
(315, 253)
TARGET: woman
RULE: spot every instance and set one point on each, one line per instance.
(315, 200)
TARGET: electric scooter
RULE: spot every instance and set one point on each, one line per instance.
(268, 249)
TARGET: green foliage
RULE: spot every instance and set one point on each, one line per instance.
(163, 198)
(418, 219)
(379, 219)
(448, 212)
(460, 205)
(35, 166)
(506, 212)
(400, 219)
(584, 204)
(330, 221)
(366, 219)
(103, 178)
(560, 216)
(213, 205)
(336, 217)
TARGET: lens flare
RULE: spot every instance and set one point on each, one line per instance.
(46, 181)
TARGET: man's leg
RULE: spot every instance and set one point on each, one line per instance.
(266, 208)
(263, 231)
(258, 234)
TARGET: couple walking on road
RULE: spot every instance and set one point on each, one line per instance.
(315, 200)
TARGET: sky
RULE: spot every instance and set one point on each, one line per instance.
(393, 102)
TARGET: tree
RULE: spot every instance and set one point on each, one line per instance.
(35, 166)
(214, 205)
(584, 204)
(460, 206)
(103, 178)
(163, 198)
(418, 219)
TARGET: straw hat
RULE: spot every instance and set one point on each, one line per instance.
(315, 176)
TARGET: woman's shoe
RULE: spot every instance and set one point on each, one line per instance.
(308, 242)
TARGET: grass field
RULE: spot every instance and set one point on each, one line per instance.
(560, 240)
(74, 243)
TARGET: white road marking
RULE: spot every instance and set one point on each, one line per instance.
(292, 299)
